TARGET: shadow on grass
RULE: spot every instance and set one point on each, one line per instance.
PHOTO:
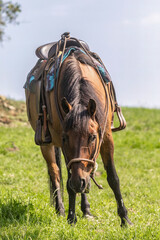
(15, 211)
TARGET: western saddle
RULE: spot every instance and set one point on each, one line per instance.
(48, 52)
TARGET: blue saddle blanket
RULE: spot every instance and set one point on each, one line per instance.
(51, 78)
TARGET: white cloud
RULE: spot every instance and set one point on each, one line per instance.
(152, 19)
(60, 10)
(126, 22)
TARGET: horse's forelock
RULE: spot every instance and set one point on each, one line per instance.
(77, 119)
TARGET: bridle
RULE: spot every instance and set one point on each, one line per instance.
(64, 39)
(91, 161)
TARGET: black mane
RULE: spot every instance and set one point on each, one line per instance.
(78, 91)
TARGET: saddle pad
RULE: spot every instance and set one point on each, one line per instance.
(50, 77)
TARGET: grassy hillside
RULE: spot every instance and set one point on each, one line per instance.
(25, 211)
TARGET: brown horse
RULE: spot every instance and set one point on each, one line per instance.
(84, 105)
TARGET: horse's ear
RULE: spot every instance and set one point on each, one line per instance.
(65, 105)
(92, 108)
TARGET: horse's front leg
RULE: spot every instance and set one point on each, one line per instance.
(85, 206)
(48, 152)
(107, 150)
(72, 202)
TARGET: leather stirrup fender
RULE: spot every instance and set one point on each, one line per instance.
(38, 133)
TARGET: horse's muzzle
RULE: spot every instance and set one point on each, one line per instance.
(78, 185)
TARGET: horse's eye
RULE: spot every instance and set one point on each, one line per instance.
(91, 138)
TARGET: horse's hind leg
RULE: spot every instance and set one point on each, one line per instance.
(107, 150)
(48, 152)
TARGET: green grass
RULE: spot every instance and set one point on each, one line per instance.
(25, 211)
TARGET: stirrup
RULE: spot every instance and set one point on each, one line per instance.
(121, 119)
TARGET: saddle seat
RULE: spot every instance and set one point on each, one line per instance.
(48, 50)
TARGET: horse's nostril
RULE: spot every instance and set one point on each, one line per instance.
(83, 184)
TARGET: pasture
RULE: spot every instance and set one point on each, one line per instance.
(25, 210)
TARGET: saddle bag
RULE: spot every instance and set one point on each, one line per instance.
(35, 75)
(35, 85)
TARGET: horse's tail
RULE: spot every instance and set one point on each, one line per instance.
(58, 161)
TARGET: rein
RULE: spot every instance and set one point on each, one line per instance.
(64, 38)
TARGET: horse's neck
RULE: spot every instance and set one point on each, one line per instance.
(91, 75)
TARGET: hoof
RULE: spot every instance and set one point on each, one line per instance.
(72, 220)
(88, 216)
(124, 220)
(61, 212)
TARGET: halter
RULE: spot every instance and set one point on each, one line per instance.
(64, 38)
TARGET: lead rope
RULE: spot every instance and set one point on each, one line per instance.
(95, 182)
(105, 122)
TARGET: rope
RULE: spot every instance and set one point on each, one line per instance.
(79, 160)
(98, 185)
(107, 99)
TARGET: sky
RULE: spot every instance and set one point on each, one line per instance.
(125, 34)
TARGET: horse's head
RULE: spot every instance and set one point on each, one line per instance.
(80, 142)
